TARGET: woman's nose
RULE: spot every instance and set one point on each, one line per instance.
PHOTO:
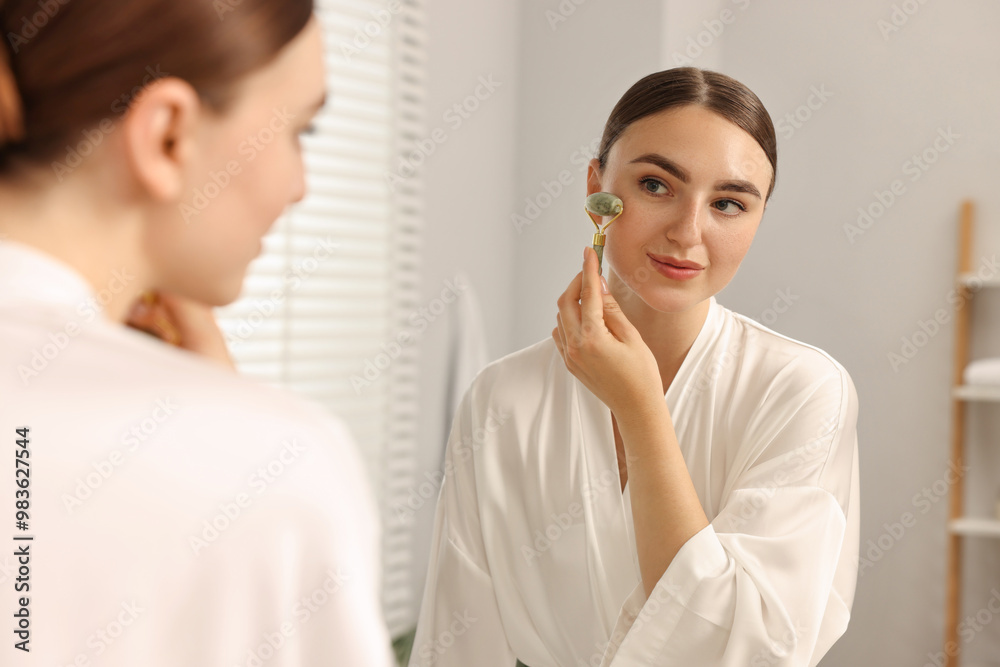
(684, 228)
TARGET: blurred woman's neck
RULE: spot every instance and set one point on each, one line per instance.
(81, 222)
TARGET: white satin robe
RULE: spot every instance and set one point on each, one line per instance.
(534, 557)
(182, 514)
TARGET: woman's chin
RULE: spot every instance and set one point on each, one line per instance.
(219, 293)
(671, 299)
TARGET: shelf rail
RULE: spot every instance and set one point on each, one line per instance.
(953, 597)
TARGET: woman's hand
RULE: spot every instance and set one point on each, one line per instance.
(182, 322)
(601, 347)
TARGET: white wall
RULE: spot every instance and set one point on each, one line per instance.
(469, 187)
(891, 92)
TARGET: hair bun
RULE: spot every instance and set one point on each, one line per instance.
(11, 109)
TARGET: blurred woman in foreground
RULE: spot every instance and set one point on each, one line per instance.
(179, 514)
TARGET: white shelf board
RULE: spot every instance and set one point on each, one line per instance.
(977, 527)
(977, 392)
(972, 280)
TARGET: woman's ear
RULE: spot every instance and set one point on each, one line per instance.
(160, 138)
(593, 177)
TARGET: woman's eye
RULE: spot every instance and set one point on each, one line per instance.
(729, 207)
(651, 185)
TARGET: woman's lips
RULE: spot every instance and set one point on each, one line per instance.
(674, 272)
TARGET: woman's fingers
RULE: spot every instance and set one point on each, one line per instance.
(569, 308)
(198, 328)
(599, 309)
(151, 315)
(560, 332)
(181, 322)
(591, 297)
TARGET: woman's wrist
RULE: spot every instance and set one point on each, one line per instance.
(642, 418)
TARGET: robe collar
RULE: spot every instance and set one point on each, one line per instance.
(28, 275)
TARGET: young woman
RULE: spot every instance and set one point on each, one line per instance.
(664, 481)
(174, 513)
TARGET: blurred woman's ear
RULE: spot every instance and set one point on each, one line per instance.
(160, 136)
(67, 98)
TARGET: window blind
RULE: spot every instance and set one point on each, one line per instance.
(338, 277)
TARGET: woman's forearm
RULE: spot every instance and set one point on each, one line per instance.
(666, 511)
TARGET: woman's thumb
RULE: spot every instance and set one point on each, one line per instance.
(614, 318)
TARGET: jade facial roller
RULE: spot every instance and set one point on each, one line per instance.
(603, 204)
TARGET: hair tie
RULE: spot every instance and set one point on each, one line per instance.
(11, 109)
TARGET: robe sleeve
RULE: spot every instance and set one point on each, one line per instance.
(459, 622)
(770, 581)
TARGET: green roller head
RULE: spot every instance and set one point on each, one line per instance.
(604, 203)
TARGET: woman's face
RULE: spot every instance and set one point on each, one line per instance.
(693, 186)
(244, 168)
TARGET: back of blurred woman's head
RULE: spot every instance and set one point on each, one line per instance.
(69, 68)
(130, 132)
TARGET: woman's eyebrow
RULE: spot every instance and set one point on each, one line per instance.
(683, 176)
(666, 165)
(739, 186)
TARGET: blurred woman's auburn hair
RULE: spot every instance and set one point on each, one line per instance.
(69, 68)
